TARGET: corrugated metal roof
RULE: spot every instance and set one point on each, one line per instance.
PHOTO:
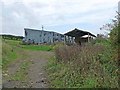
(41, 30)
(78, 33)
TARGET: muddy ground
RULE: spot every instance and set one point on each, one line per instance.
(36, 75)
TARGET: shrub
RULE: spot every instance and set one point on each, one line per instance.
(66, 53)
(82, 66)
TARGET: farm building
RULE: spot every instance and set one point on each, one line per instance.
(41, 36)
(50, 37)
(80, 36)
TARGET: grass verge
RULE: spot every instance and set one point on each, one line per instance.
(8, 54)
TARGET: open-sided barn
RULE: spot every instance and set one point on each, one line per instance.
(78, 36)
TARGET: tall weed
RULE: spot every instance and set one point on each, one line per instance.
(83, 66)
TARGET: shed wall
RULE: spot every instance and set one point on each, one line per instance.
(40, 36)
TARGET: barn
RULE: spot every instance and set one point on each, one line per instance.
(80, 36)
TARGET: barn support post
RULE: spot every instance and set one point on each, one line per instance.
(72, 40)
(88, 38)
(68, 39)
(64, 39)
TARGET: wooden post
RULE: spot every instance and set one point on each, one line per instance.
(64, 39)
(72, 40)
(68, 40)
(88, 37)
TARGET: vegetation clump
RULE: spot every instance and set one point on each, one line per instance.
(91, 66)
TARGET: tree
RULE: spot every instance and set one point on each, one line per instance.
(114, 29)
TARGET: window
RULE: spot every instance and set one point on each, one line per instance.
(43, 39)
(44, 34)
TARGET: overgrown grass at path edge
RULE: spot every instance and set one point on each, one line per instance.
(89, 66)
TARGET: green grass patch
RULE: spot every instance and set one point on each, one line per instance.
(12, 42)
(8, 54)
(11, 52)
(38, 47)
(90, 82)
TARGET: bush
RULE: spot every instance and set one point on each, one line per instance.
(66, 53)
(86, 66)
(114, 29)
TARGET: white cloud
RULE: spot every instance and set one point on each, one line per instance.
(34, 13)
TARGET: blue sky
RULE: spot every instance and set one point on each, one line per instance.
(56, 15)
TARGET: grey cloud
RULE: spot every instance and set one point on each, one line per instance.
(18, 15)
(14, 24)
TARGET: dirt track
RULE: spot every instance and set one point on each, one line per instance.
(36, 75)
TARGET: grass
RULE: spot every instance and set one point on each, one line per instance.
(0, 52)
(41, 47)
(11, 50)
(12, 42)
(37, 47)
(8, 54)
(90, 66)
(21, 74)
(29, 47)
(55, 74)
